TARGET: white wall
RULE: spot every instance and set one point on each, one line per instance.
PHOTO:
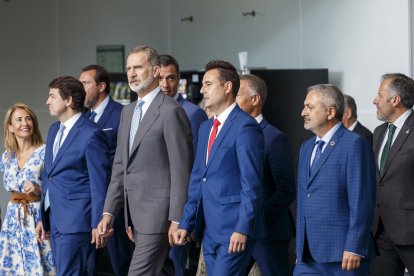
(28, 60)
(220, 31)
(85, 24)
(358, 41)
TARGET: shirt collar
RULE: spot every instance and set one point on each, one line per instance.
(101, 107)
(71, 122)
(176, 96)
(223, 116)
(328, 136)
(150, 96)
(259, 118)
(351, 127)
(401, 120)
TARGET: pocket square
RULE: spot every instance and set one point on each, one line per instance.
(106, 129)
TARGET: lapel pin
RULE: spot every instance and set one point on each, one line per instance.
(408, 131)
(332, 143)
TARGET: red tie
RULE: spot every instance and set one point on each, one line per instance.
(213, 135)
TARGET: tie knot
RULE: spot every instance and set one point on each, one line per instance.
(92, 115)
(216, 123)
(140, 103)
(391, 128)
(320, 144)
(62, 128)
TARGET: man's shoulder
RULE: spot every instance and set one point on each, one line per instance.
(380, 128)
(115, 105)
(87, 126)
(361, 129)
(187, 105)
(271, 130)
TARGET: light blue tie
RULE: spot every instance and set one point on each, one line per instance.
(58, 141)
(136, 119)
(319, 146)
(56, 147)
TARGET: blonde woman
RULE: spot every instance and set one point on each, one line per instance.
(22, 164)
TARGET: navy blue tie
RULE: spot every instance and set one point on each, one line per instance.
(92, 116)
(319, 146)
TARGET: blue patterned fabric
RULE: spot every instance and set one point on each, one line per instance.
(20, 252)
(336, 202)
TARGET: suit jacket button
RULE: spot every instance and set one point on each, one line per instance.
(378, 205)
(50, 178)
(308, 195)
(204, 179)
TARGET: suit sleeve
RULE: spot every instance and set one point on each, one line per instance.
(361, 195)
(97, 160)
(114, 200)
(198, 117)
(177, 137)
(250, 158)
(280, 163)
(188, 219)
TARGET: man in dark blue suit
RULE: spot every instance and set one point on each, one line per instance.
(75, 179)
(104, 111)
(225, 191)
(169, 80)
(272, 252)
(336, 191)
(350, 119)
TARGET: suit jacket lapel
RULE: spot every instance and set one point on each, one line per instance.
(308, 154)
(107, 113)
(180, 99)
(150, 116)
(204, 142)
(223, 131)
(406, 129)
(68, 141)
(263, 123)
(49, 146)
(377, 145)
(325, 154)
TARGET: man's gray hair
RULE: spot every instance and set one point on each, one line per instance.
(332, 96)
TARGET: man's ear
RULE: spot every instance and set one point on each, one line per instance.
(228, 87)
(348, 113)
(331, 111)
(396, 100)
(156, 71)
(102, 86)
(256, 100)
(69, 101)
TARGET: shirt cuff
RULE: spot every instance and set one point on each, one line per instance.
(105, 213)
(352, 253)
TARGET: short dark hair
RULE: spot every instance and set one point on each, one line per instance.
(350, 103)
(331, 96)
(402, 86)
(100, 76)
(257, 85)
(70, 87)
(167, 60)
(227, 72)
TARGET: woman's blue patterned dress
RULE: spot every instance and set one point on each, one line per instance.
(20, 252)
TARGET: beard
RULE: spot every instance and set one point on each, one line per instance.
(142, 86)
